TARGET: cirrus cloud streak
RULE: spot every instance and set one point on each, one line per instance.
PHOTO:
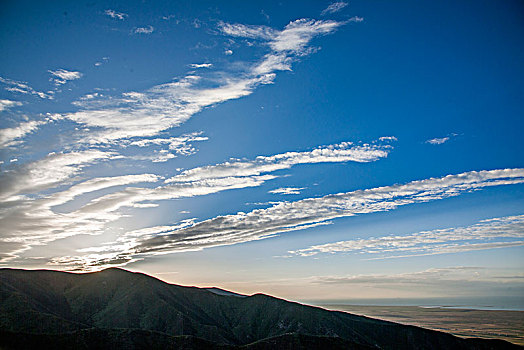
(487, 234)
(291, 216)
(145, 114)
(32, 217)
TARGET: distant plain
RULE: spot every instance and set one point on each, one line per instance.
(498, 324)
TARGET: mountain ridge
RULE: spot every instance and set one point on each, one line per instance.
(54, 303)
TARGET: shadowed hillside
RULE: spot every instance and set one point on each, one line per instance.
(135, 311)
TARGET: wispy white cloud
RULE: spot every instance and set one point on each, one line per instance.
(487, 234)
(96, 184)
(99, 63)
(177, 146)
(26, 217)
(181, 145)
(116, 15)
(62, 76)
(66, 74)
(90, 96)
(234, 175)
(291, 216)
(437, 141)
(290, 42)
(292, 39)
(356, 19)
(196, 23)
(168, 105)
(6, 104)
(46, 173)
(342, 152)
(144, 30)
(56, 169)
(248, 31)
(334, 7)
(28, 222)
(23, 88)
(201, 65)
(105, 208)
(160, 108)
(287, 190)
(27, 212)
(12, 136)
(388, 138)
(158, 156)
(296, 35)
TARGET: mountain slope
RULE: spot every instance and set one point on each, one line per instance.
(137, 339)
(50, 302)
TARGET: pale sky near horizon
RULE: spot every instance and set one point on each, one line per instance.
(305, 149)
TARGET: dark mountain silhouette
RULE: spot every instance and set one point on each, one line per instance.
(224, 292)
(119, 309)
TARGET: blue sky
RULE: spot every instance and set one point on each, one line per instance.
(310, 150)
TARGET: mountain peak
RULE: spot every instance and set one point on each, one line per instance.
(114, 269)
(114, 302)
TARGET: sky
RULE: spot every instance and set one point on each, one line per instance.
(304, 149)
